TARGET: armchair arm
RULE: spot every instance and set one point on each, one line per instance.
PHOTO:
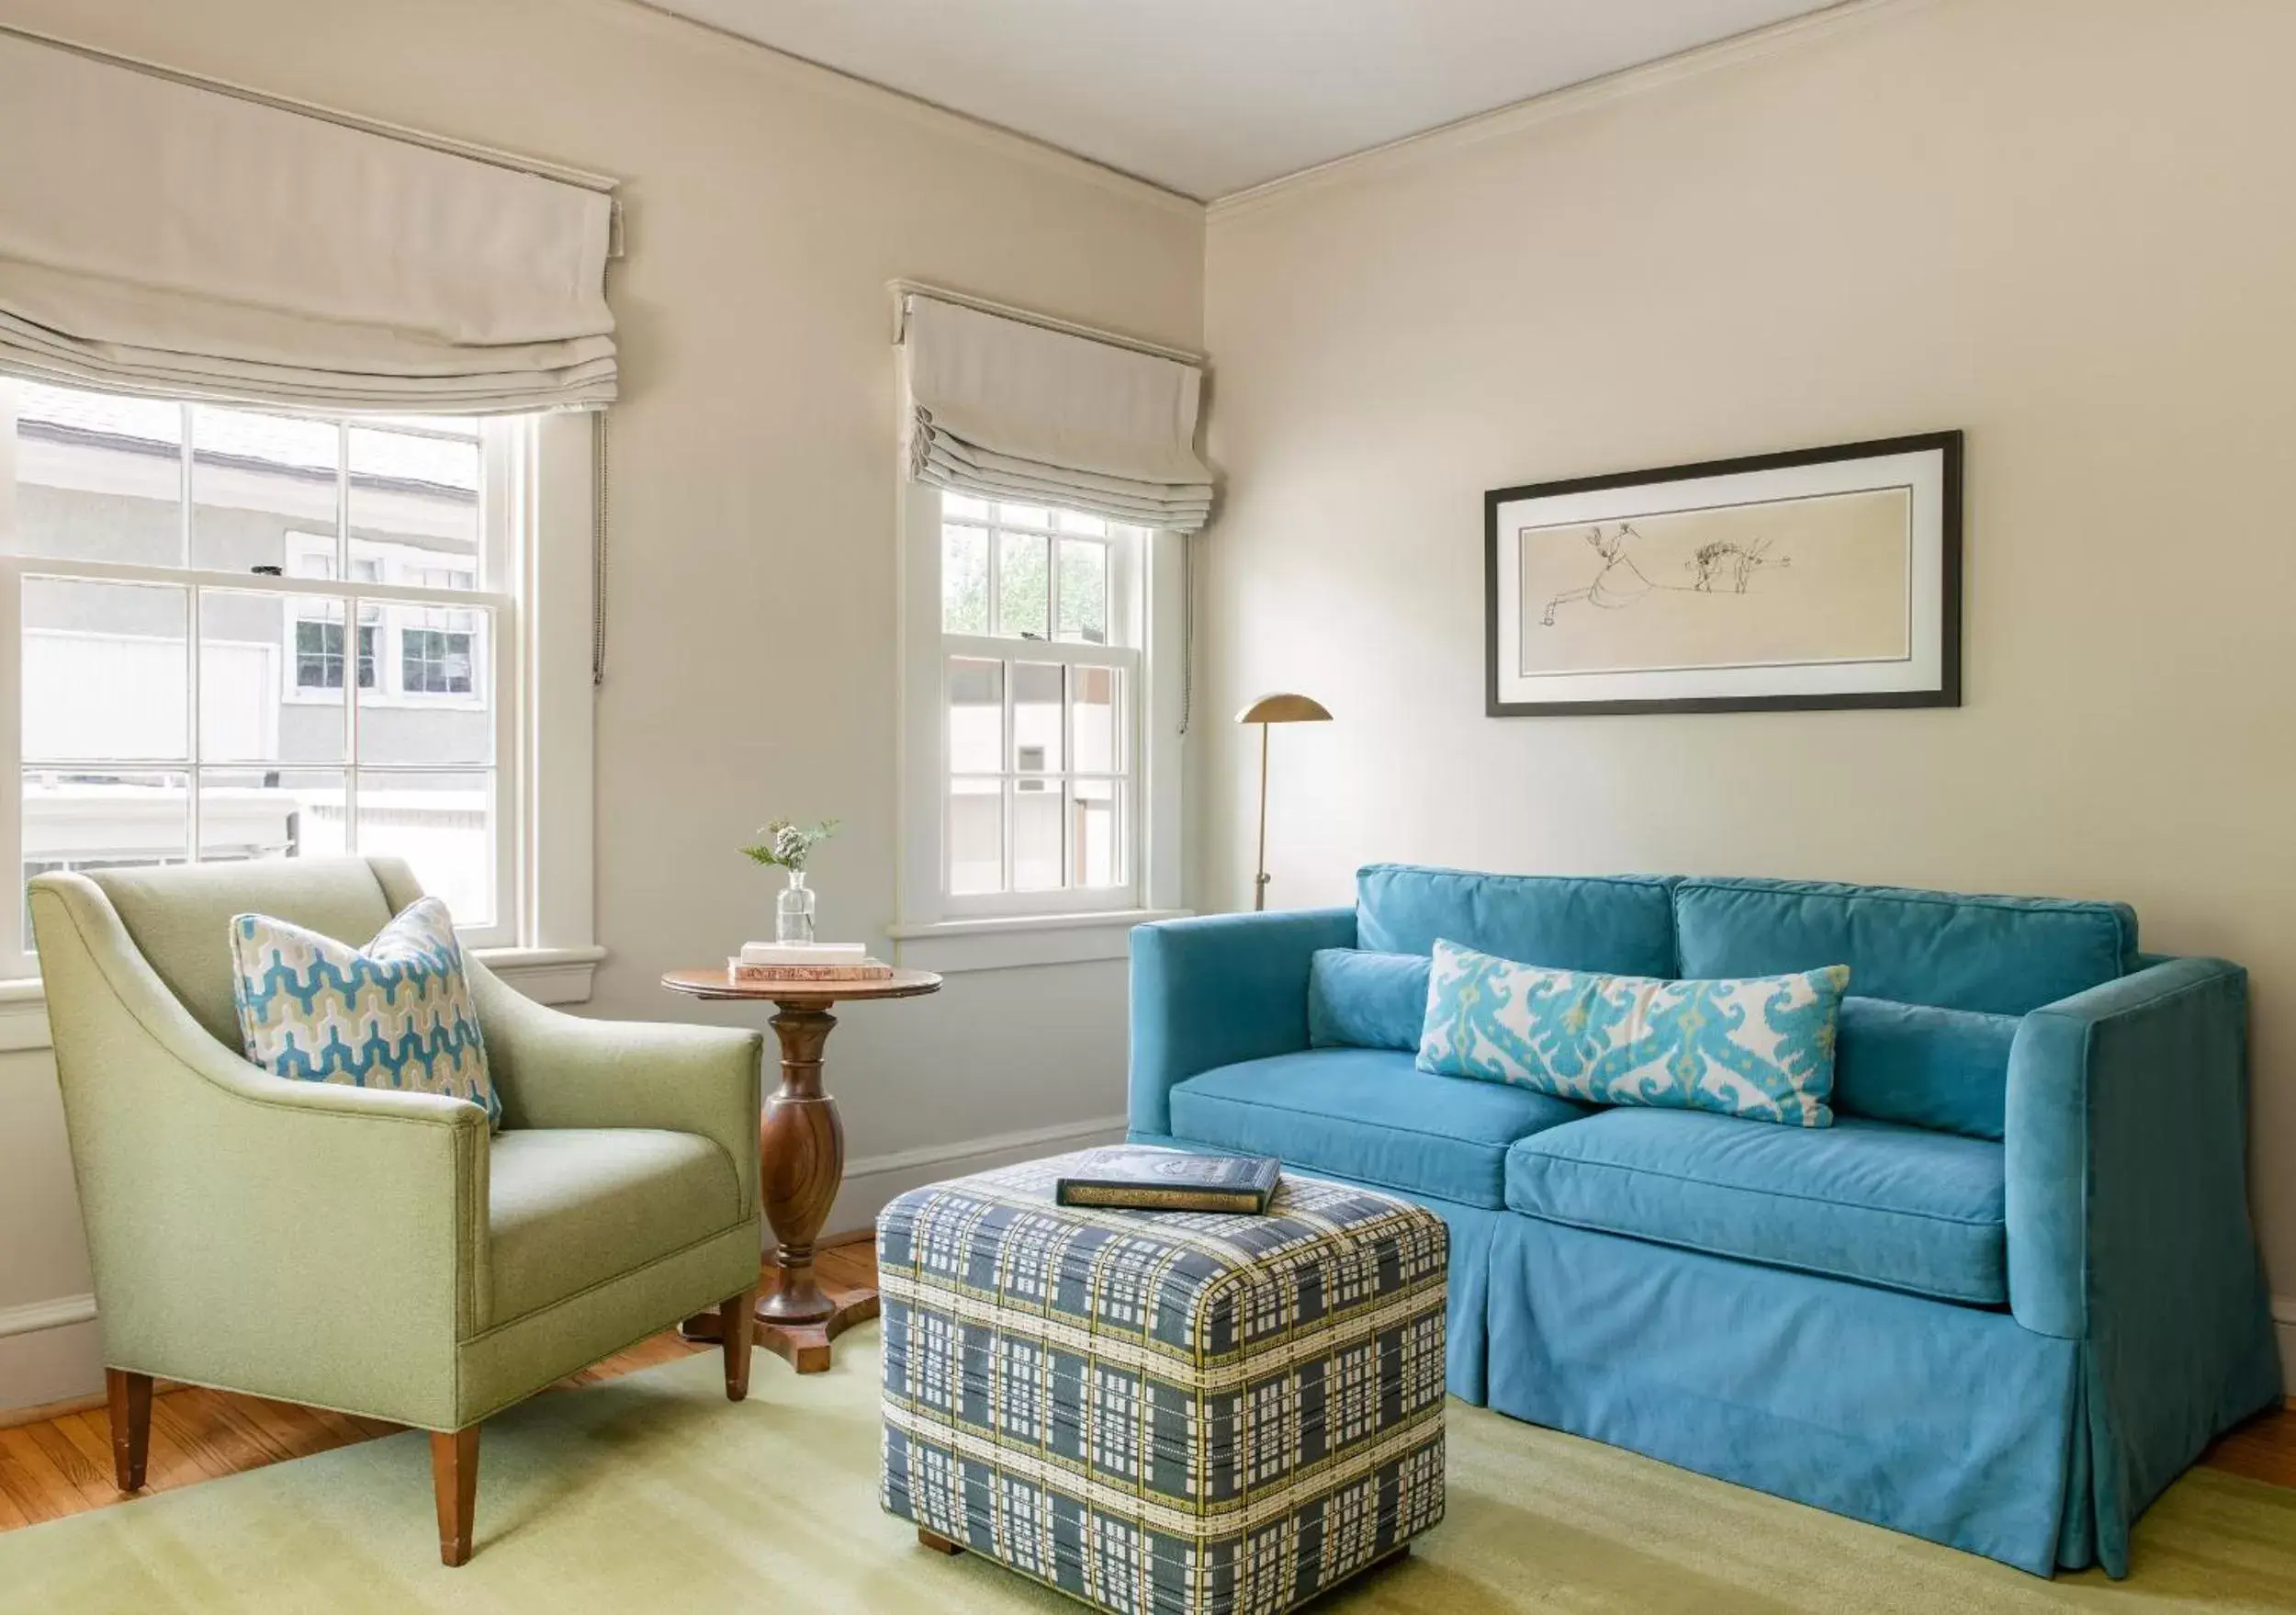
(2126, 1147)
(558, 1070)
(310, 1241)
(1213, 990)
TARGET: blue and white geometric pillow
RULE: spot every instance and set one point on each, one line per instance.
(1762, 1047)
(396, 1014)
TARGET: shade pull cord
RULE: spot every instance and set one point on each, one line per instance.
(598, 491)
(1187, 629)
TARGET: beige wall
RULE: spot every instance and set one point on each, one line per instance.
(752, 666)
(2062, 225)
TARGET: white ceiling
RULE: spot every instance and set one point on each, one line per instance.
(1208, 98)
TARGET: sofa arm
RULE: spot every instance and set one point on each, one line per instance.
(554, 1069)
(2126, 1150)
(2127, 1225)
(1210, 991)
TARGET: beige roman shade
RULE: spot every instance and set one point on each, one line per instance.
(1004, 409)
(161, 237)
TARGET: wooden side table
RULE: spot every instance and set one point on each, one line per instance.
(801, 1156)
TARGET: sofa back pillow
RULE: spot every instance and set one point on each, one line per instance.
(1622, 923)
(394, 1013)
(1761, 1048)
(1996, 955)
(1943, 1069)
(1358, 999)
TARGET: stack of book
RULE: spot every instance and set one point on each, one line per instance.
(826, 962)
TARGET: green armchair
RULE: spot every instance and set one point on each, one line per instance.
(367, 1249)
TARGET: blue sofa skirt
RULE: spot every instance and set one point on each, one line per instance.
(1464, 1328)
(1951, 1422)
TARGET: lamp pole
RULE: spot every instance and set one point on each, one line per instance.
(1259, 881)
(1266, 710)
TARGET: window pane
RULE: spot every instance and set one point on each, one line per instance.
(414, 505)
(1093, 720)
(443, 825)
(98, 477)
(430, 699)
(271, 813)
(106, 672)
(1074, 522)
(1036, 835)
(1084, 604)
(263, 492)
(1094, 851)
(977, 836)
(959, 505)
(964, 579)
(1036, 718)
(90, 818)
(1024, 515)
(976, 715)
(1020, 584)
(272, 671)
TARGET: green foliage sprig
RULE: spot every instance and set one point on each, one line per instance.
(788, 845)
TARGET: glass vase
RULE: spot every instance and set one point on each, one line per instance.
(792, 912)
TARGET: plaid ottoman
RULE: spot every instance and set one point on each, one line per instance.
(1163, 1413)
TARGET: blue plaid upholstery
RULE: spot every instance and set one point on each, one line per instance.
(1163, 1413)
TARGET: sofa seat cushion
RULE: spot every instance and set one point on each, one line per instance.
(570, 1207)
(1369, 1114)
(1870, 1201)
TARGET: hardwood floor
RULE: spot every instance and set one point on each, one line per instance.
(62, 1465)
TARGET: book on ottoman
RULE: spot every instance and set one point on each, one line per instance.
(1163, 1413)
(1136, 1177)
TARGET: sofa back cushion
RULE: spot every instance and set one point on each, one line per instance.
(1996, 955)
(1943, 1069)
(1619, 925)
(1366, 1000)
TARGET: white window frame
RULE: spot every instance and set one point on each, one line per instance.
(536, 578)
(1145, 600)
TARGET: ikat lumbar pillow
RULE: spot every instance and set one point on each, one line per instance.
(396, 1014)
(1762, 1048)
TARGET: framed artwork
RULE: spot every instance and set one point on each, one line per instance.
(1827, 577)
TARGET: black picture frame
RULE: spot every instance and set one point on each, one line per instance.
(1946, 691)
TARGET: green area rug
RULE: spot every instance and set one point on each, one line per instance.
(654, 1493)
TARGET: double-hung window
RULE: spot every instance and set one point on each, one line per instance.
(1035, 779)
(239, 634)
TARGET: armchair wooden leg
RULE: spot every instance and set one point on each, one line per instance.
(454, 1480)
(130, 1395)
(737, 1327)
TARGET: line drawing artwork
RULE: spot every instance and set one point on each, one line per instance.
(1722, 567)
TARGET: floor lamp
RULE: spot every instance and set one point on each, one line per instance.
(1266, 710)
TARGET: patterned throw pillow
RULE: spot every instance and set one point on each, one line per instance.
(396, 1014)
(1761, 1048)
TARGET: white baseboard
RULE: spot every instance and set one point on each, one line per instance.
(873, 1180)
(60, 1360)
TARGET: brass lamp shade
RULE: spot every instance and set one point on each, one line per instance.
(1283, 707)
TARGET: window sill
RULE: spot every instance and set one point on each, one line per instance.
(547, 975)
(953, 946)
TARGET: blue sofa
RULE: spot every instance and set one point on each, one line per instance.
(2000, 1304)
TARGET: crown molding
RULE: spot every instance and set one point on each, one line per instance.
(1516, 116)
(980, 131)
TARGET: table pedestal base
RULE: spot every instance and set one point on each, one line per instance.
(803, 1346)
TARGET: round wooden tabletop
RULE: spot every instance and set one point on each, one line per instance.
(706, 983)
